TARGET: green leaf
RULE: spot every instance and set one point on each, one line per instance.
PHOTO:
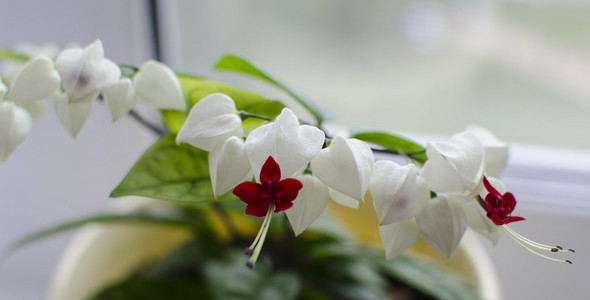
(234, 63)
(395, 144)
(154, 289)
(230, 279)
(429, 279)
(195, 89)
(14, 56)
(169, 171)
(166, 215)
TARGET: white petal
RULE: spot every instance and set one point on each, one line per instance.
(478, 221)
(228, 165)
(398, 192)
(36, 109)
(345, 166)
(309, 204)
(495, 151)
(15, 125)
(119, 98)
(37, 80)
(442, 224)
(210, 122)
(85, 71)
(455, 165)
(291, 145)
(157, 85)
(73, 115)
(343, 199)
(398, 237)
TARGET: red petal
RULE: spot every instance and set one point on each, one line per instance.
(513, 219)
(270, 173)
(508, 202)
(286, 190)
(251, 192)
(257, 210)
(280, 206)
(490, 188)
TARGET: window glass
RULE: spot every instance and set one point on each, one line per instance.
(517, 67)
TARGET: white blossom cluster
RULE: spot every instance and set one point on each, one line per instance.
(346, 172)
(436, 201)
(75, 78)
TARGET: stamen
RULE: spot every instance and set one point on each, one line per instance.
(259, 241)
(523, 242)
(250, 249)
(533, 243)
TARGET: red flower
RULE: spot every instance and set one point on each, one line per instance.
(270, 190)
(499, 207)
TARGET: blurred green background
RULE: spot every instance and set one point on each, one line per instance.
(518, 68)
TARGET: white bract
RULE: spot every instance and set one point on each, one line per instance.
(442, 224)
(15, 125)
(84, 72)
(292, 145)
(37, 79)
(228, 165)
(455, 170)
(495, 151)
(309, 204)
(455, 166)
(157, 85)
(73, 115)
(398, 237)
(399, 194)
(119, 98)
(210, 122)
(345, 166)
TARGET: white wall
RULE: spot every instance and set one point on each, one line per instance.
(52, 177)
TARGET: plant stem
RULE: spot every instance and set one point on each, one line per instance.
(154, 128)
(409, 154)
(141, 120)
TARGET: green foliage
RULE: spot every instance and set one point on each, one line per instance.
(430, 280)
(14, 56)
(237, 64)
(169, 171)
(195, 89)
(313, 266)
(395, 144)
(155, 289)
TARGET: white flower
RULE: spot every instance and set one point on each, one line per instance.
(292, 145)
(38, 79)
(228, 165)
(398, 237)
(309, 204)
(119, 98)
(15, 125)
(442, 224)
(455, 166)
(73, 115)
(85, 72)
(495, 151)
(210, 122)
(157, 85)
(399, 194)
(345, 166)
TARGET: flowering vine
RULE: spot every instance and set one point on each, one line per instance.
(283, 164)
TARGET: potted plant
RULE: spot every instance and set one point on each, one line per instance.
(228, 161)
